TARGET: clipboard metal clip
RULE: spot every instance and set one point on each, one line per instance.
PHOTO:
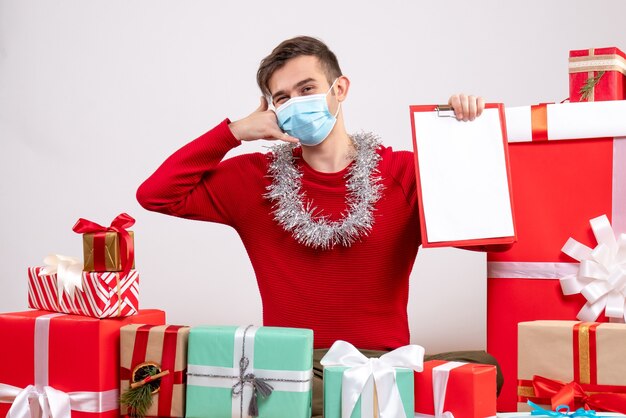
(445, 111)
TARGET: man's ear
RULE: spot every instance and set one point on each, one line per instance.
(341, 88)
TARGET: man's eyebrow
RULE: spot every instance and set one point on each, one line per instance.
(298, 84)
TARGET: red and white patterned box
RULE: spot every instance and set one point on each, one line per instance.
(103, 294)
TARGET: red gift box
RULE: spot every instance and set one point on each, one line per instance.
(103, 295)
(604, 67)
(559, 186)
(467, 390)
(60, 359)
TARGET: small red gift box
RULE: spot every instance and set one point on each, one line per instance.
(559, 186)
(597, 74)
(68, 363)
(101, 295)
(467, 390)
(164, 349)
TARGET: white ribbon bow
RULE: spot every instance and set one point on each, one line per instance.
(30, 402)
(69, 271)
(48, 402)
(601, 278)
(382, 370)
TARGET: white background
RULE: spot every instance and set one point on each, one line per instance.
(95, 94)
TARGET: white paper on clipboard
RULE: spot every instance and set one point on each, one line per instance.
(463, 177)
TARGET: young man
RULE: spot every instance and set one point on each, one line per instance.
(329, 220)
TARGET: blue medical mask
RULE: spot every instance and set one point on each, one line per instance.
(307, 117)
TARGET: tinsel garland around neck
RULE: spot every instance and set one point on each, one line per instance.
(300, 218)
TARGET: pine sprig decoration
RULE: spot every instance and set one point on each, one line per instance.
(587, 88)
(138, 398)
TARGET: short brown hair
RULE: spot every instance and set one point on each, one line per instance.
(292, 48)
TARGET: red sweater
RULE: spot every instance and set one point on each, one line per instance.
(358, 293)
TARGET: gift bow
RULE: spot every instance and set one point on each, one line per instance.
(381, 369)
(601, 277)
(119, 225)
(560, 411)
(260, 387)
(69, 271)
(48, 402)
(573, 395)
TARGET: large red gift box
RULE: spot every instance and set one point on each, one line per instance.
(558, 187)
(59, 360)
(604, 66)
(102, 294)
(467, 390)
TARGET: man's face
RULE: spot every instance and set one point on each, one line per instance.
(300, 76)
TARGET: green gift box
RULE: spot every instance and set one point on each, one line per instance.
(230, 369)
(357, 387)
(333, 376)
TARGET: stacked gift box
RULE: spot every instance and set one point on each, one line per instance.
(87, 350)
(63, 357)
(569, 185)
(106, 285)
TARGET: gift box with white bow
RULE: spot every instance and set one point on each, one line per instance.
(577, 364)
(62, 366)
(448, 389)
(359, 387)
(63, 286)
(249, 371)
(568, 167)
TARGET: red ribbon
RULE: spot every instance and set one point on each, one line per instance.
(539, 122)
(573, 395)
(119, 225)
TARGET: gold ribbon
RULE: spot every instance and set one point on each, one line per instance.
(591, 63)
(584, 358)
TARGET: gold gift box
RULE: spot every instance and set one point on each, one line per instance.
(112, 258)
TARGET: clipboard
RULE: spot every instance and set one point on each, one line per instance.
(462, 177)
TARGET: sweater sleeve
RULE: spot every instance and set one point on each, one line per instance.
(193, 182)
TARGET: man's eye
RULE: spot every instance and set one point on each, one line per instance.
(307, 89)
(280, 100)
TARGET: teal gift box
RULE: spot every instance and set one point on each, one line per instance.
(358, 387)
(230, 369)
(333, 376)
